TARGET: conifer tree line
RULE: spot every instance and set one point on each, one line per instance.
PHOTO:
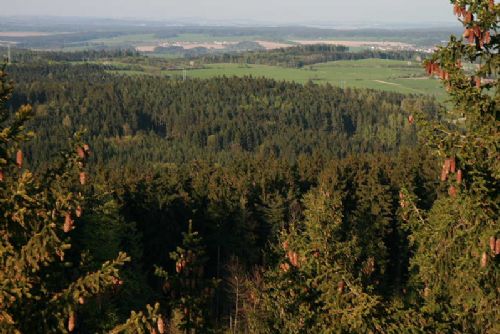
(243, 205)
(293, 56)
(303, 55)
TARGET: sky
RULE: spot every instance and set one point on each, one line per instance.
(277, 11)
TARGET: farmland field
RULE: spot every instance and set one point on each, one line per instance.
(390, 75)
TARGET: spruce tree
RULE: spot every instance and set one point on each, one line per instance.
(188, 291)
(457, 242)
(319, 283)
(41, 288)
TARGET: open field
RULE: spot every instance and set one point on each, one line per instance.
(273, 45)
(390, 75)
(355, 43)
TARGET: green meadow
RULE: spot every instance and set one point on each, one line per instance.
(390, 75)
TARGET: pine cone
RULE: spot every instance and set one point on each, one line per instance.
(71, 322)
(80, 152)
(83, 178)
(161, 325)
(493, 244)
(68, 223)
(79, 211)
(484, 260)
(19, 158)
(452, 191)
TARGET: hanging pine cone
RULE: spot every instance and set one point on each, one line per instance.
(161, 325)
(294, 259)
(468, 17)
(180, 265)
(83, 178)
(1, 175)
(452, 191)
(459, 176)
(484, 260)
(78, 211)
(493, 244)
(497, 247)
(285, 267)
(81, 301)
(68, 223)
(71, 322)
(487, 38)
(478, 82)
(471, 36)
(445, 170)
(80, 152)
(19, 158)
(444, 175)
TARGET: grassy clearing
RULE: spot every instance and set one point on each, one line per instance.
(390, 75)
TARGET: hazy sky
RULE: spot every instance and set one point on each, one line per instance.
(280, 11)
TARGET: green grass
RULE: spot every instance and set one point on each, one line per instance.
(389, 75)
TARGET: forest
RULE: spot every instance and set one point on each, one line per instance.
(303, 55)
(150, 204)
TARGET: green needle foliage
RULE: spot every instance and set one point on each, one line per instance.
(190, 294)
(456, 254)
(314, 289)
(41, 288)
(331, 264)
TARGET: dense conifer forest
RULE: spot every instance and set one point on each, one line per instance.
(146, 120)
(147, 204)
(302, 55)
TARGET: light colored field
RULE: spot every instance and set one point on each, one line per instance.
(217, 45)
(26, 34)
(203, 38)
(214, 45)
(389, 75)
(146, 48)
(273, 45)
(355, 43)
